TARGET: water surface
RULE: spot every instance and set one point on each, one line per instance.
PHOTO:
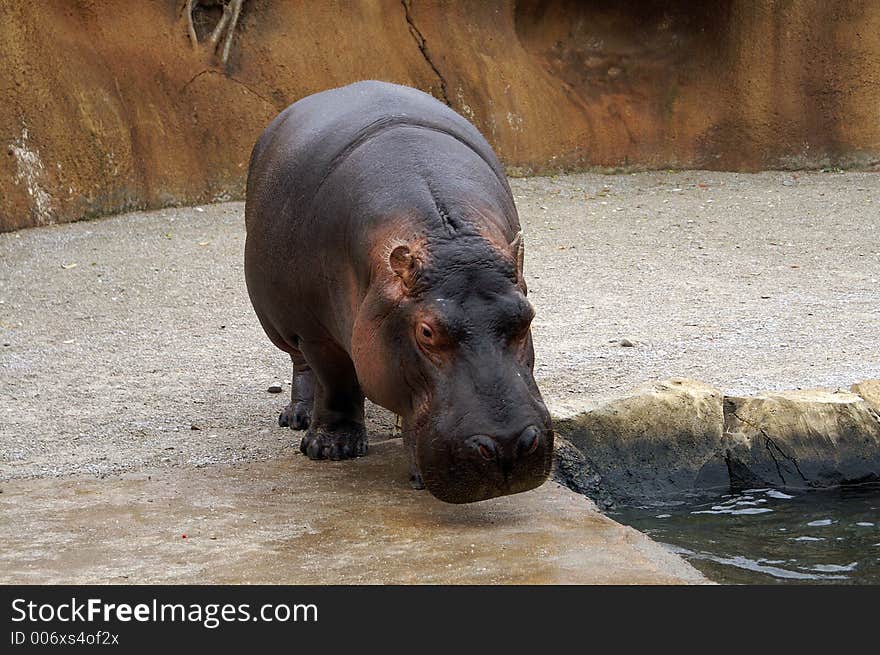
(766, 536)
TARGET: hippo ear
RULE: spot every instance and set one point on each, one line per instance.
(519, 252)
(519, 256)
(404, 264)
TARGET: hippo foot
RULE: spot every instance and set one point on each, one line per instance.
(415, 481)
(295, 417)
(336, 446)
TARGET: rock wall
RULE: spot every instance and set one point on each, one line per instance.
(106, 106)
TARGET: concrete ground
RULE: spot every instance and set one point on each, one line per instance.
(289, 521)
(128, 343)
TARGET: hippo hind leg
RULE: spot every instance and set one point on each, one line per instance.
(336, 428)
(298, 413)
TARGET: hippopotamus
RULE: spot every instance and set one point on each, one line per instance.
(384, 255)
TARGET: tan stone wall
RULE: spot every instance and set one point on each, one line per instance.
(105, 106)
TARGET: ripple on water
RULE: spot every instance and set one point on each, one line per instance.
(834, 568)
(760, 535)
(734, 511)
(755, 566)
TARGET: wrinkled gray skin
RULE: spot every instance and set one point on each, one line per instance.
(384, 255)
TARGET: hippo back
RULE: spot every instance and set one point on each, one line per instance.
(302, 147)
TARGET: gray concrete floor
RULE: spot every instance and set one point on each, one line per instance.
(129, 342)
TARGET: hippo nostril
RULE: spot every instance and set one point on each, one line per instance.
(485, 446)
(528, 440)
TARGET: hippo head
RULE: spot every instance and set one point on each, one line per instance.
(449, 348)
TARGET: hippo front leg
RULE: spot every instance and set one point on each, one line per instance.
(336, 429)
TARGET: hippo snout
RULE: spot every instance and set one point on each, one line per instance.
(507, 451)
(484, 466)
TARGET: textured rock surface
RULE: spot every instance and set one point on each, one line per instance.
(103, 109)
(870, 391)
(808, 438)
(290, 522)
(662, 438)
(677, 435)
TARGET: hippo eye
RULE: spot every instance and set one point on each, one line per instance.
(426, 335)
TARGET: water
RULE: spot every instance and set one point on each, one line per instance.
(767, 536)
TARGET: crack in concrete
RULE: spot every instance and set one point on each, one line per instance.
(767, 444)
(423, 48)
(770, 444)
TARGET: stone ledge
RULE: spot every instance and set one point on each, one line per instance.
(678, 435)
(655, 441)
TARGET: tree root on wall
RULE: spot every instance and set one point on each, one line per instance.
(225, 26)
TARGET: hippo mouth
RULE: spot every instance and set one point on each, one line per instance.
(479, 467)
